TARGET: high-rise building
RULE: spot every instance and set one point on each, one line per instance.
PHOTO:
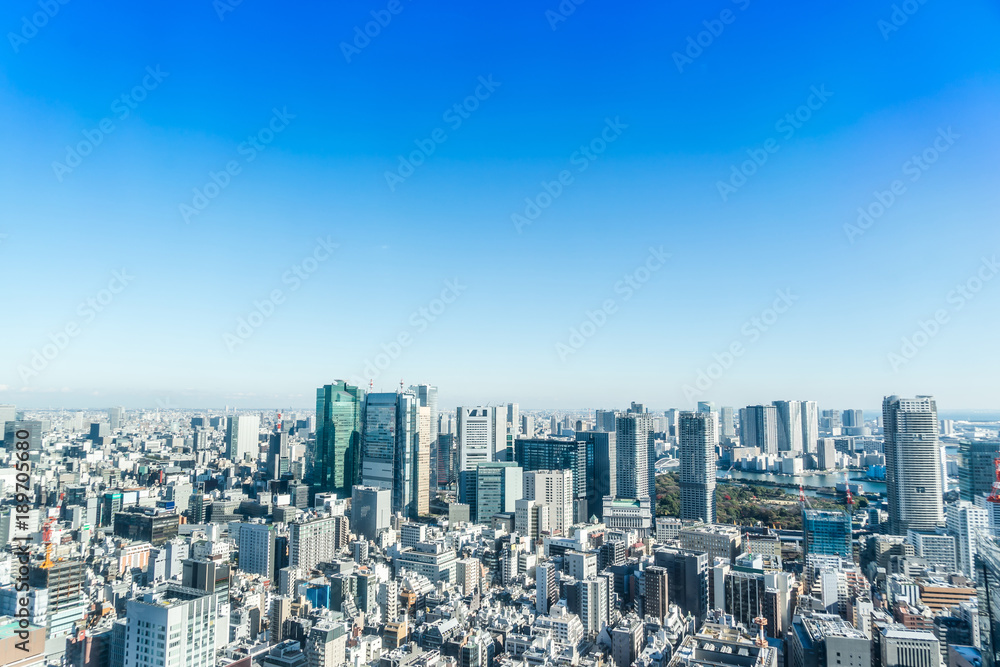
(115, 417)
(897, 646)
(553, 489)
(390, 448)
(632, 435)
(172, 625)
(422, 474)
(326, 644)
(977, 467)
(964, 521)
(759, 428)
(706, 406)
(312, 541)
(789, 414)
(513, 419)
(370, 511)
(601, 467)
(810, 425)
(913, 464)
(242, 437)
(446, 459)
(490, 488)
(528, 426)
(655, 596)
(852, 419)
(687, 579)
(277, 455)
(546, 590)
(830, 422)
(604, 420)
(626, 641)
(595, 604)
(727, 424)
(826, 639)
(987, 585)
(482, 433)
(697, 469)
(337, 455)
(827, 533)
(555, 454)
(8, 413)
(427, 397)
(256, 549)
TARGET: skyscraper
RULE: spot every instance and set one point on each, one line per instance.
(759, 428)
(697, 470)
(427, 397)
(727, 425)
(242, 437)
(632, 431)
(391, 447)
(655, 597)
(482, 432)
(977, 467)
(158, 616)
(337, 455)
(601, 467)
(115, 417)
(827, 533)
(810, 425)
(554, 489)
(604, 420)
(423, 461)
(490, 488)
(554, 454)
(913, 464)
(964, 521)
(789, 415)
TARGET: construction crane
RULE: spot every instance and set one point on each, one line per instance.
(847, 486)
(994, 496)
(47, 539)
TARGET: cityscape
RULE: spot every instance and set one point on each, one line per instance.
(384, 529)
(548, 333)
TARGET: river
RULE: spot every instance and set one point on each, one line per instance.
(807, 481)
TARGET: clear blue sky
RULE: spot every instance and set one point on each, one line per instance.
(885, 95)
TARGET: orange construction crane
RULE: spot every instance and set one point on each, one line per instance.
(994, 497)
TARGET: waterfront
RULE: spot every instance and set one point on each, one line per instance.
(810, 483)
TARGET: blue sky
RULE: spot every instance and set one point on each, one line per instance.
(172, 332)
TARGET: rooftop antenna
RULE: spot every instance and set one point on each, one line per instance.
(847, 485)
